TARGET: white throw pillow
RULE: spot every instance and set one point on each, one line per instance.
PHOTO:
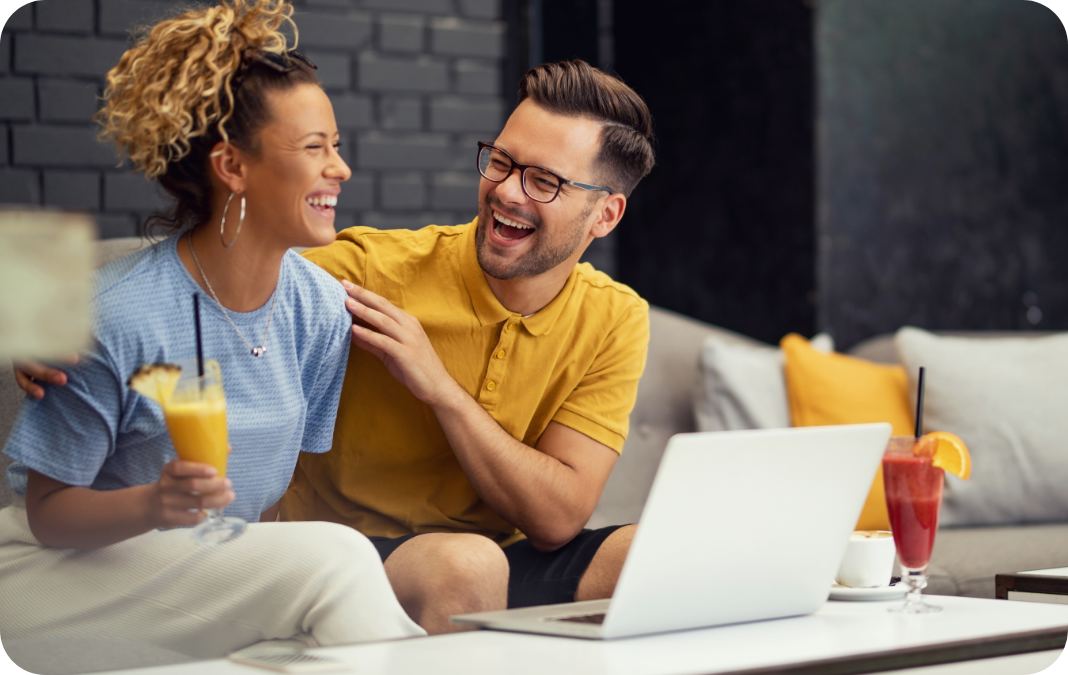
(1006, 398)
(742, 385)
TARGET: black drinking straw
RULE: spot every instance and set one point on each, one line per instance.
(919, 405)
(200, 344)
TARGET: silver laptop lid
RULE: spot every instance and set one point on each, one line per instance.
(742, 526)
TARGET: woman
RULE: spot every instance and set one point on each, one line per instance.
(237, 130)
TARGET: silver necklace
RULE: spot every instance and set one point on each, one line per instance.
(256, 351)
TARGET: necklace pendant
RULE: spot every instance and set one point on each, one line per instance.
(258, 351)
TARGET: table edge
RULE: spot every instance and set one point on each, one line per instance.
(1028, 583)
(971, 649)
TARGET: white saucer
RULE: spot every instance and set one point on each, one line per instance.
(846, 593)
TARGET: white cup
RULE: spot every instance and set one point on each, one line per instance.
(868, 561)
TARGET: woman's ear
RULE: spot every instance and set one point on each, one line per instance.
(228, 164)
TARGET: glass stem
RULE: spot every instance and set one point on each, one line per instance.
(916, 581)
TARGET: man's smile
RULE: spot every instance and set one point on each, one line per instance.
(510, 230)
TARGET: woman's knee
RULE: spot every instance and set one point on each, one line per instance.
(318, 547)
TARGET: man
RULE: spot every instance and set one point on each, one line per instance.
(487, 404)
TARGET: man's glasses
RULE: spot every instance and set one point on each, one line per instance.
(539, 184)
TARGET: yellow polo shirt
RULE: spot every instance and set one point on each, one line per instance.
(391, 471)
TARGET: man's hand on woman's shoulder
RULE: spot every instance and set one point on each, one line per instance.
(397, 339)
(30, 375)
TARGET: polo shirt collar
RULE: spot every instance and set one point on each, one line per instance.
(489, 309)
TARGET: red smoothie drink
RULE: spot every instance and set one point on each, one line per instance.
(913, 497)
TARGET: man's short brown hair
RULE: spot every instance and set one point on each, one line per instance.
(577, 89)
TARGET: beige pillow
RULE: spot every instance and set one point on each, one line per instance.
(742, 385)
(1006, 398)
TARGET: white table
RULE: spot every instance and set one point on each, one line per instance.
(841, 638)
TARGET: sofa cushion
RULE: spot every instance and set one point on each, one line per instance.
(742, 385)
(879, 349)
(1005, 398)
(964, 561)
(839, 389)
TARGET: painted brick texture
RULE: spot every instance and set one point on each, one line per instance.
(72, 189)
(5, 54)
(400, 33)
(16, 99)
(21, 18)
(20, 186)
(65, 16)
(72, 101)
(42, 54)
(43, 145)
(414, 83)
(337, 31)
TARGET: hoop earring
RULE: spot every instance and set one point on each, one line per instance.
(222, 226)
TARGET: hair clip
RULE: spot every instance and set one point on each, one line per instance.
(283, 63)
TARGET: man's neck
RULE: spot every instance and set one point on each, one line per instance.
(527, 295)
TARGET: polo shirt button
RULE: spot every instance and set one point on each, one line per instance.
(491, 385)
(500, 354)
(507, 328)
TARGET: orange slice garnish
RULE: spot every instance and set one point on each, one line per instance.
(947, 451)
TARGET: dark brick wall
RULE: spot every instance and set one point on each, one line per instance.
(942, 138)
(414, 83)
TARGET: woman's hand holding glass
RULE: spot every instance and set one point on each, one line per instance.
(183, 491)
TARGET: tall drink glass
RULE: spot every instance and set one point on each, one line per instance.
(196, 419)
(913, 498)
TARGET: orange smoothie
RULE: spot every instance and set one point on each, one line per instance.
(198, 431)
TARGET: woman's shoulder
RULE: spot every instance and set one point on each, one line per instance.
(316, 296)
(124, 278)
(306, 275)
(134, 297)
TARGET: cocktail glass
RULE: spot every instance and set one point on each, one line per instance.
(913, 498)
(196, 418)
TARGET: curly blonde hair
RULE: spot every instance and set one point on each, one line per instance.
(185, 85)
(177, 79)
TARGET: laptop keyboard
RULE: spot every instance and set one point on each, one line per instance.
(596, 619)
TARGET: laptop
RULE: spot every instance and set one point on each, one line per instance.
(739, 526)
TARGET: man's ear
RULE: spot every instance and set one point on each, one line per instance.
(228, 164)
(609, 214)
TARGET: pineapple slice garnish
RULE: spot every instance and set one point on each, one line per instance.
(156, 381)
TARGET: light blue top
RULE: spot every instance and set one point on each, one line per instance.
(96, 432)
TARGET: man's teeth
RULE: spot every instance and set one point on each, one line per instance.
(325, 200)
(511, 223)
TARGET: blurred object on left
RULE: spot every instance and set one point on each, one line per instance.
(46, 263)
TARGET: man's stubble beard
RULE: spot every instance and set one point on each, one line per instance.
(541, 258)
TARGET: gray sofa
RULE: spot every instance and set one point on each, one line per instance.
(964, 562)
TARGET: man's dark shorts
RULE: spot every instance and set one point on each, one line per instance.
(535, 578)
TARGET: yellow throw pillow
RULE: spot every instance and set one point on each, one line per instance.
(825, 389)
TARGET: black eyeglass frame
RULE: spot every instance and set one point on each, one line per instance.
(523, 175)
